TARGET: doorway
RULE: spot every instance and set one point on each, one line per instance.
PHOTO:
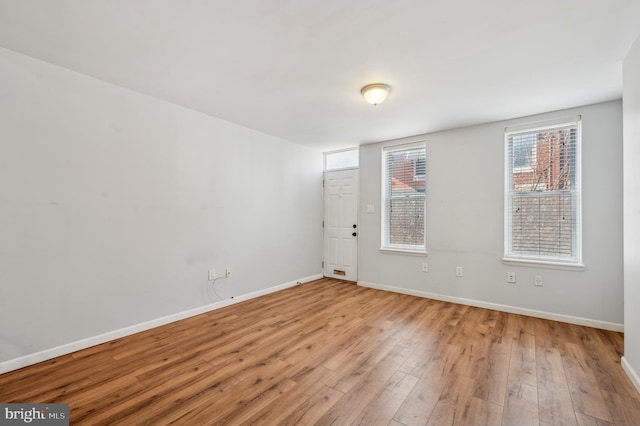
(341, 224)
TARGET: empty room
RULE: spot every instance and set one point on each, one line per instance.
(286, 213)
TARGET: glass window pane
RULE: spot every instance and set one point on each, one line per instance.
(341, 159)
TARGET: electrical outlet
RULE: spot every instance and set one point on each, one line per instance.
(212, 274)
(537, 280)
(511, 277)
(459, 271)
(425, 267)
(227, 272)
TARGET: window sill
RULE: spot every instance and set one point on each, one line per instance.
(405, 252)
(544, 264)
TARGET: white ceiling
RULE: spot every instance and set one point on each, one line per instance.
(294, 68)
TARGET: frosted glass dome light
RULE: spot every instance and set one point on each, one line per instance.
(375, 93)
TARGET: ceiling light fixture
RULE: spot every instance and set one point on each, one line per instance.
(375, 93)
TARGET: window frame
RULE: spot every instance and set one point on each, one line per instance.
(385, 245)
(355, 150)
(574, 262)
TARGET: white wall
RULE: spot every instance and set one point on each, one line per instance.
(631, 103)
(113, 206)
(465, 198)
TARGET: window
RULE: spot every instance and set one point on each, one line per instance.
(542, 193)
(345, 159)
(403, 198)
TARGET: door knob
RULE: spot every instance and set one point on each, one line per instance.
(354, 234)
(354, 226)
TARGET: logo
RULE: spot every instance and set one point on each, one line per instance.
(34, 414)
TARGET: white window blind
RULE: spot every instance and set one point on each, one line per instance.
(404, 183)
(542, 208)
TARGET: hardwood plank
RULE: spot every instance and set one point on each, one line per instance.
(493, 374)
(624, 410)
(554, 398)
(157, 405)
(253, 405)
(482, 413)
(605, 362)
(320, 351)
(417, 362)
(358, 346)
(522, 364)
(418, 405)
(356, 399)
(521, 404)
(30, 387)
(360, 366)
(583, 385)
(251, 394)
(311, 410)
(521, 399)
(385, 405)
(453, 405)
(473, 355)
(196, 391)
(457, 314)
(584, 420)
(310, 385)
(499, 325)
(465, 327)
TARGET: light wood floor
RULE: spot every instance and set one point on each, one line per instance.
(330, 352)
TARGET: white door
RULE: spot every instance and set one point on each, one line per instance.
(340, 224)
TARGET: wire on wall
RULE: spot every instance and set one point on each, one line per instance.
(213, 286)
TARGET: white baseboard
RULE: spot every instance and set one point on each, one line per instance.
(503, 308)
(633, 376)
(34, 358)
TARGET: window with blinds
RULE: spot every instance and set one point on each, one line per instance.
(404, 184)
(542, 208)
